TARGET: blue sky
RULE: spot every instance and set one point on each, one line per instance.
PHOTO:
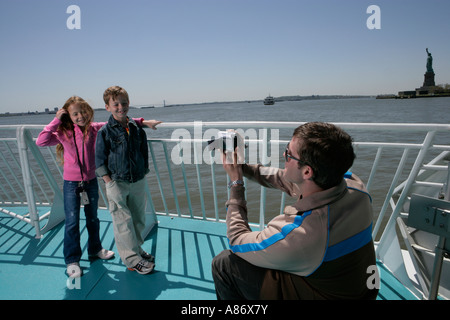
(189, 51)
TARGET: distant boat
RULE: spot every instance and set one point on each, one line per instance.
(269, 100)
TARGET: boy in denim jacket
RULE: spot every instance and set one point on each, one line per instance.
(121, 159)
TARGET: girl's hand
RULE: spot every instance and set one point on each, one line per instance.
(60, 113)
(151, 123)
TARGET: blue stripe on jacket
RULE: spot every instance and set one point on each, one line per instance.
(349, 245)
(257, 246)
(338, 250)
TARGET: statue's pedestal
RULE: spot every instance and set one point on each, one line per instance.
(428, 87)
(429, 80)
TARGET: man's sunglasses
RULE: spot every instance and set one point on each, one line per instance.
(288, 156)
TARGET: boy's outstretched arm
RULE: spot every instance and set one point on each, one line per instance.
(151, 123)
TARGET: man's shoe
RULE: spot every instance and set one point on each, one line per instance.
(143, 267)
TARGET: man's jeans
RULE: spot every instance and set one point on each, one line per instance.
(236, 279)
(72, 248)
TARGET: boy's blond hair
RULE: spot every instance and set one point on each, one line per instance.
(113, 92)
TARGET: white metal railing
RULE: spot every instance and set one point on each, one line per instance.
(188, 181)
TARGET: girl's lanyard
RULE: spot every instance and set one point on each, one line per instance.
(83, 194)
(80, 164)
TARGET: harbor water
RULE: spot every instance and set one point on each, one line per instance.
(365, 110)
(423, 110)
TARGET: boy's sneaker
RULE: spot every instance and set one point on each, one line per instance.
(147, 256)
(143, 267)
(74, 270)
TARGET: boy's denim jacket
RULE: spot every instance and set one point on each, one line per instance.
(120, 155)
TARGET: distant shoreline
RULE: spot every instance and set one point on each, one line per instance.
(277, 99)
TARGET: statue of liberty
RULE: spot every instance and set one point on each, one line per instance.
(429, 62)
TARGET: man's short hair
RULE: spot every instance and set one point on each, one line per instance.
(327, 149)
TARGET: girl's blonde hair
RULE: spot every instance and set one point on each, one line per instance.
(67, 127)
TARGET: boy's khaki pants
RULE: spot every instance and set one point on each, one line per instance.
(127, 202)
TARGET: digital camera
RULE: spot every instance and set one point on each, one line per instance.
(226, 141)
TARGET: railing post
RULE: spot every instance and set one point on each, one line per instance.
(264, 145)
(27, 180)
(389, 230)
(439, 250)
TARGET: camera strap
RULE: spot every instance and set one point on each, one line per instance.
(78, 156)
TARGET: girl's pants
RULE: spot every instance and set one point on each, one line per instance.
(72, 248)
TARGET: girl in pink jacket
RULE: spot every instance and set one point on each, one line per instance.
(74, 134)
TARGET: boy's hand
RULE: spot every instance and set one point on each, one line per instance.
(151, 123)
(106, 178)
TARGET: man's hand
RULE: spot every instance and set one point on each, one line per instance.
(231, 165)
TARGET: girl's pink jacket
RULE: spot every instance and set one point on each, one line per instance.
(51, 136)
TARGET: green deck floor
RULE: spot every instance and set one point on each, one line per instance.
(183, 248)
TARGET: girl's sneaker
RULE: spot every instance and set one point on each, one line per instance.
(105, 254)
(143, 267)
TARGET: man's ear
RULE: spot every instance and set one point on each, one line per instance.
(307, 172)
